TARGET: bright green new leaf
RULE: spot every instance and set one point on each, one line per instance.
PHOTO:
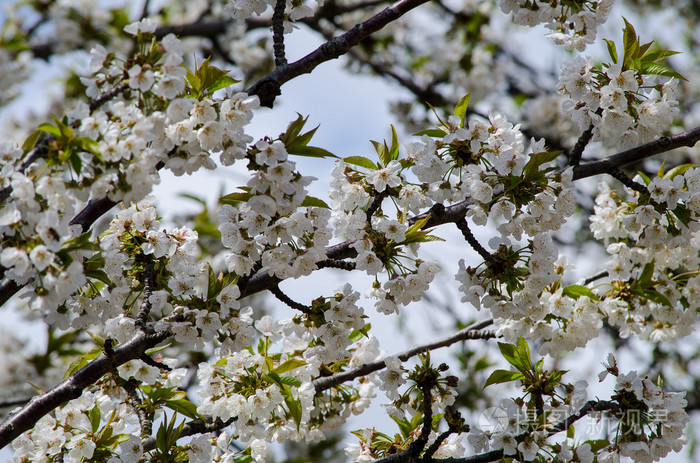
(311, 201)
(612, 50)
(81, 361)
(678, 170)
(183, 407)
(94, 415)
(432, 133)
(289, 365)
(503, 376)
(221, 82)
(631, 44)
(362, 162)
(461, 108)
(576, 291)
(658, 69)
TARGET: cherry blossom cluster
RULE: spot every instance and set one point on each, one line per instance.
(574, 25)
(243, 9)
(270, 388)
(657, 424)
(652, 244)
(116, 151)
(268, 228)
(625, 107)
(428, 388)
(13, 70)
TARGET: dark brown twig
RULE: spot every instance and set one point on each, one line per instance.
(474, 331)
(278, 32)
(277, 292)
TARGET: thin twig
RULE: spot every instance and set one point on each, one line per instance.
(145, 422)
(278, 32)
(581, 143)
(474, 243)
(334, 263)
(277, 292)
(474, 331)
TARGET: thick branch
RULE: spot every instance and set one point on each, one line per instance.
(661, 145)
(267, 88)
(73, 387)
(473, 331)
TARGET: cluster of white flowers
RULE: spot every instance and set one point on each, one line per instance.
(244, 9)
(573, 26)
(272, 393)
(268, 228)
(649, 244)
(653, 422)
(625, 107)
(71, 434)
(122, 144)
(13, 71)
(82, 425)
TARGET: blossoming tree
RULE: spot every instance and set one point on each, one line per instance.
(154, 352)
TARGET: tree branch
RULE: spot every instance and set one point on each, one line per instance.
(662, 145)
(473, 331)
(73, 387)
(278, 32)
(495, 455)
(267, 88)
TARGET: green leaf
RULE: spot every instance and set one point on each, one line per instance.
(678, 170)
(597, 444)
(76, 162)
(570, 432)
(405, 427)
(645, 178)
(656, 55)
(293, 129)
(311, 201)
(362, 162)
(64, 128)
(532, 168)
(87, 144)
(235, 198)
(576, 291)
(94, 415)
(81, 361)
(657, 69)
(183, 407)
(48, 128)
(644, 279)
(155, 350)
(461, 108)
(631, 44)
(382, 152)
(221, 82)
(289, 365)
(31, 141)
(655, 296)
(310, 151)
(432, 133)
(394, 149)
(508, 351)
(194, 82)
(503, 376)
(523, 353)
(612, 51)
(363, 332)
